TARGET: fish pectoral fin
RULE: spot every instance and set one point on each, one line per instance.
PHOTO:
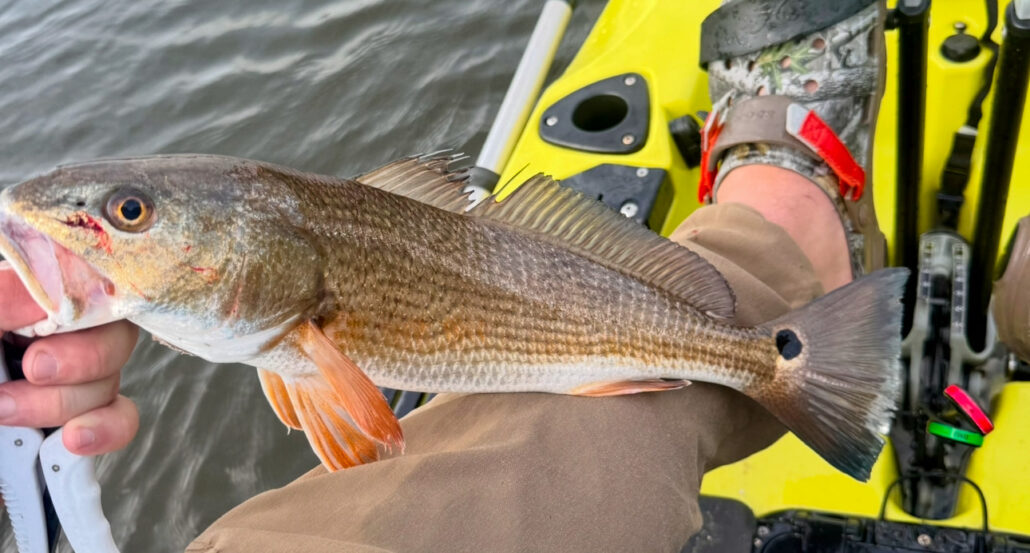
(359, 396)
(625, 387)
(279, 397)
(334, 439)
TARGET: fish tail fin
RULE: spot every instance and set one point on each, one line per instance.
(838, 373)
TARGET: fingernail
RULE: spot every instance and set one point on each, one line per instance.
(84, 438)
(7, 406)
(44, 367)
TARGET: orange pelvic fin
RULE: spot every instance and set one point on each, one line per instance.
(360, 397)
(625, 387)
(332, 436)
(279, 397)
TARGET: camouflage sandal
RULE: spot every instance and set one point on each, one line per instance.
(801, 90)
(1011, 304)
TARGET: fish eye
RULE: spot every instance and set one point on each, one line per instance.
(130, 210)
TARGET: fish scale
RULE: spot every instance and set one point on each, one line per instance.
(512, 321)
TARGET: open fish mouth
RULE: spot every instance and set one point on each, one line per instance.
(72, 292)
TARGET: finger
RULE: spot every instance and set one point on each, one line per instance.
(17, 308)
(80, 357)
(103, 430)
(25, 404)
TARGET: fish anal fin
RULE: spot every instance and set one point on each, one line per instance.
(279, 398)
(427, 179)
(357, 394)
(336, 442)
(568, 219)
(626, 387)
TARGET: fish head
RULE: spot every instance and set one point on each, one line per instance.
(182, 243)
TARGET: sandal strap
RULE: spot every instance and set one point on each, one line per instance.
(744, 26)
(775, 120)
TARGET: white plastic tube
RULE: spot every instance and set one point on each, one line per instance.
(525, 86)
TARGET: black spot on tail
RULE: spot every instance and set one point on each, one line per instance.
(788, 344)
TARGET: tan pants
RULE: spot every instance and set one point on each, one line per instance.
(542, 472)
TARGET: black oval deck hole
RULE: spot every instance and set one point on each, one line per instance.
(788, 344)
(600, 113)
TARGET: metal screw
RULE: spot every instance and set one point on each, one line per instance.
(551, 121)
(642, 172)
(763, 531)
(960, 27)
(629, 209)
(630, 80)
(56, 468)
(18, 442)
(924, 540)
(628, 139)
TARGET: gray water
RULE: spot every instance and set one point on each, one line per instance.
(336, 87)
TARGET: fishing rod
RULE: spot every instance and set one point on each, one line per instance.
(912, 19)
(1010, 90)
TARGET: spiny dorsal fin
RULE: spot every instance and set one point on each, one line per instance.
(427, 179)
(569, 219)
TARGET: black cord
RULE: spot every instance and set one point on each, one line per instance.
(936, 474)
(951, 195)
(976, 109)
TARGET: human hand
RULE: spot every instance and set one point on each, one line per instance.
(72, 379)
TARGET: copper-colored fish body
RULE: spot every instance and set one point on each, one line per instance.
(400, 276)
(446, 302)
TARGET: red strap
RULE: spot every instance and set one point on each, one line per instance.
(965, 403)
(809, 128)
(709, 135)
(804, 125)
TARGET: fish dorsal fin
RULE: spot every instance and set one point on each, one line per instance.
(427, 179)
(568, 219)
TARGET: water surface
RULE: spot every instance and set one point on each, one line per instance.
(336, 87)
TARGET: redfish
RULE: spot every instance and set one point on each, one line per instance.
(398, 278)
